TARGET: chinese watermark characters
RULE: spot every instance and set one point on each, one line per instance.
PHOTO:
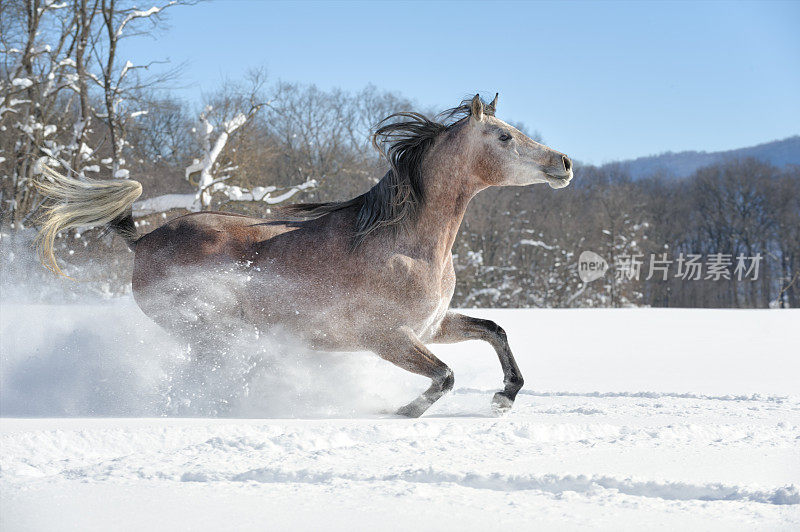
(659, 266)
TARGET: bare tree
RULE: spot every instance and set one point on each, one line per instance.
(64, 94)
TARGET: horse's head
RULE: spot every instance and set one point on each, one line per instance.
(448, 158)
(502, 155)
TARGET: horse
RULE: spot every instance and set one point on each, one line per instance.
(373, 273)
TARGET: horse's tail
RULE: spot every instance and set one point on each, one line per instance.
(84, 203)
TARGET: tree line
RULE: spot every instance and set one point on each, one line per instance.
(68, 96)
(522, 247)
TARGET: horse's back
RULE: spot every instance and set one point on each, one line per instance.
(199, 240)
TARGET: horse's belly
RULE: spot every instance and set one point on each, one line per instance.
(342, 321)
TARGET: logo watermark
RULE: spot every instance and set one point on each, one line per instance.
(591, 266)
(686, 266)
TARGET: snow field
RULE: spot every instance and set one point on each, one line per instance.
(629, 419)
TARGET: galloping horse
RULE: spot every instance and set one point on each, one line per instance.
(372, 273)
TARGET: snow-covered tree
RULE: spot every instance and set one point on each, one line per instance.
(66, 93)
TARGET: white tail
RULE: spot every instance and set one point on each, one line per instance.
(79, 203)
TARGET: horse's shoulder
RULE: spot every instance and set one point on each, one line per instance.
(402, 264)
(415, 274)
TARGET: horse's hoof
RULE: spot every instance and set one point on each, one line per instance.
(501, 404)
(410, 410)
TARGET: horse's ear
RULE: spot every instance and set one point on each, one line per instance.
(476, 108)
(492, 107)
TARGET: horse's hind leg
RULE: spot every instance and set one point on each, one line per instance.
(407, 352)
(459, 328)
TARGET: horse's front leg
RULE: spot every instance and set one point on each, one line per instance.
(405, 350)
(459, 328)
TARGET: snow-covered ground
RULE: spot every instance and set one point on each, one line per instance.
(664, 419)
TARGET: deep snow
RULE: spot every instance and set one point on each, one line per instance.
(629, 419)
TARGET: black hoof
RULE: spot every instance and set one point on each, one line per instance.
(501, 403)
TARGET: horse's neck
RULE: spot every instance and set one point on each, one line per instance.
(439, 219)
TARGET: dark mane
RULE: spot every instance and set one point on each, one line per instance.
(403, 139)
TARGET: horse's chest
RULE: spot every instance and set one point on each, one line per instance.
(426, 290)
(447, 284)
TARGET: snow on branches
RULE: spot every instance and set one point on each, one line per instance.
(65, 94)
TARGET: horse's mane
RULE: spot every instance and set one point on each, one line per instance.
(402, 139)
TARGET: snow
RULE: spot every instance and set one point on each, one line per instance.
(21, 82)
(536, 243)
(263, 194)
(235, 123)
(629, 419)
(139, 14)
(189, 202)
(164, 203)
(128, 66)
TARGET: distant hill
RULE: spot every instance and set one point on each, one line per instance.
(685, 163)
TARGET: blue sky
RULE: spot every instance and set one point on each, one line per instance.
(600, 80)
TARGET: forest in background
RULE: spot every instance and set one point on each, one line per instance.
(67, 95)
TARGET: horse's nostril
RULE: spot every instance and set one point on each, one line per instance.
(567, 163)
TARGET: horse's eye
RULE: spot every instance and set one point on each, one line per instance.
(505, 137)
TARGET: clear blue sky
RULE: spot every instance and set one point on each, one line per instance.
(600, 80)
